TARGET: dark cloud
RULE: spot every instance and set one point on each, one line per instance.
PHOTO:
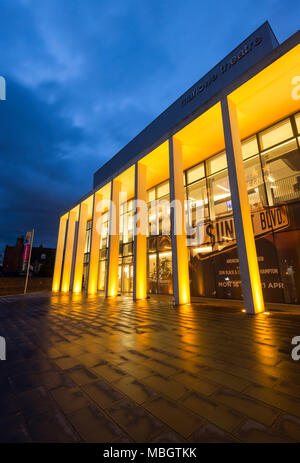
(84, 77)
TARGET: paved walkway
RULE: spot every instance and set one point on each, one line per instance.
(88, 369)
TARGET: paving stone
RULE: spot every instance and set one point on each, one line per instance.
(196, 383)
(103, 393)
(70, 399)
(174, 415)
(254, 432)
(224, 417)
(93, 426)
(139, 424)
(81, 375)
(108, 372)
(135, 389)
(25, 382)
(135, 369)
(109, 363)
(167, 386)
(247, 405)
(52, 426)
(288, 426)
(275, 398)
(54, 379)
(8, 404)
(35, 401)
(209, 433)
(13, 429)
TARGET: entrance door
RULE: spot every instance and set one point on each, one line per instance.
(127, 278)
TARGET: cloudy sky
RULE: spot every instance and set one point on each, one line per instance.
(85, 76)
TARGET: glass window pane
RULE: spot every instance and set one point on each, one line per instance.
(153, 219)
(195, 173)
(198, 201)
(282, 172)
(164, 216)
(219, 195)
(216, 163)
(249, 147)
(102, 275)
(87, 246)
(276, 134)
(255, 183)
(130, 205)
(165, 273)
(152, 273)
(297, 118)
(151, 195)
(122, 208)
(162, 189)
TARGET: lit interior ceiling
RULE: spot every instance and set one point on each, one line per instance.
(76, 210)
(267, 97)
(157, 163)
(202, 138)
(89, 202)
(261, 101)
(127, 181)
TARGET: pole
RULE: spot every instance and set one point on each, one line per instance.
(28, 265)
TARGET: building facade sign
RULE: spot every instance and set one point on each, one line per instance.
(216, 236)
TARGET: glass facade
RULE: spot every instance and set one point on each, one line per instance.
(272, 171)
(87, 250)
(103, 251)
(159, 240)
(126, 247)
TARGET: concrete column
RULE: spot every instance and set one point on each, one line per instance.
(92, 286)
(180, 264)
(77, 282)
(111, 289)
(59, 253)
(249, 270)
(140, 281)
(65, 285)
(74, 255)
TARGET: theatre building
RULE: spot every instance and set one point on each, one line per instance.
(219, 171)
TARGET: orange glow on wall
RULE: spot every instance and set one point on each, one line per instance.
(114, 239)
(202, 138)
(255, 288)
(59, 253)
(77, 283)
(65, 285)
(157, 164)
(267, 97)
(95, 245)
(140, 284)
(126, 179)
(181, 272)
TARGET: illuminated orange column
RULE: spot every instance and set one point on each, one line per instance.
(140, 234)
(95, 245)
(59, 253)
(180, 264)
(249, 269)
(113, 242)
(77, 282)
(65, 285)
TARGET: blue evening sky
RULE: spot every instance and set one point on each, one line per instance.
(85, 76)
